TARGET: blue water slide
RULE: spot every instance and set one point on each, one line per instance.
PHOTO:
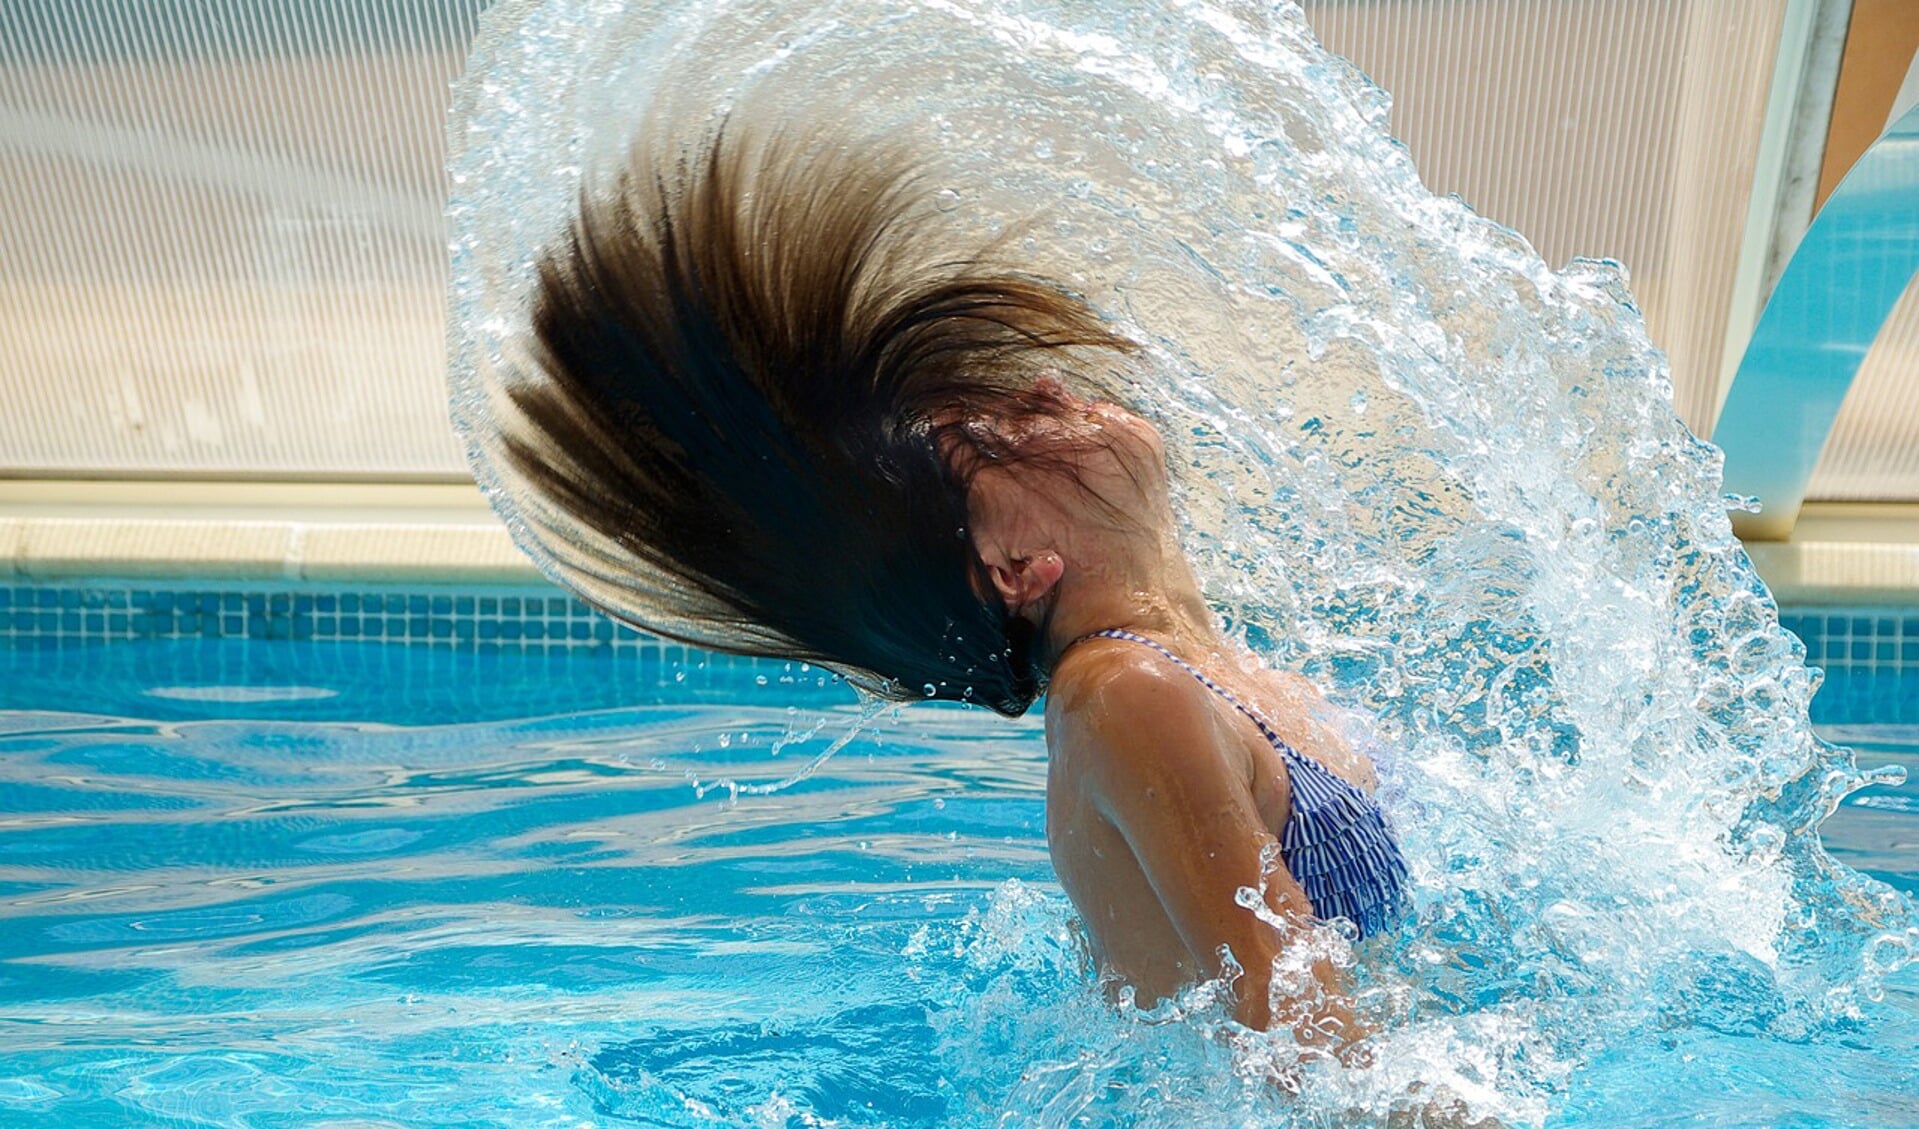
(1853, 264)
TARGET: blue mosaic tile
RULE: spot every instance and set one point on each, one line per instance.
(1857, 641)
(1873, 643)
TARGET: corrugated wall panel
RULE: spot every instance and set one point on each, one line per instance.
(1624, 129)
(1873, 452)
(222, 254)
(222, 251)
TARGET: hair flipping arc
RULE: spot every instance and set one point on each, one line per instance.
(746, 364)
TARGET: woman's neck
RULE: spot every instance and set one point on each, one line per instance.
(1147, 589)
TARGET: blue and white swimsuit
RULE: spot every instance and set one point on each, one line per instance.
(1336, 842)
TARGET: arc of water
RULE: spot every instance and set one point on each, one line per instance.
(1856, 259)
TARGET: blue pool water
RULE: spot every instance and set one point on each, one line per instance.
(1415, 462)
(291, 883)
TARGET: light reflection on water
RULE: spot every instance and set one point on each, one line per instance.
(248, 920)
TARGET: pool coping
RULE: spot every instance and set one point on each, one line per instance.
(424, 533)
(1844, 554)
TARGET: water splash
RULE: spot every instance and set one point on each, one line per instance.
(1441, 478)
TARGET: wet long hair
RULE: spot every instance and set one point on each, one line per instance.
(750, 374)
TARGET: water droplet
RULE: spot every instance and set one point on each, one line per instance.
(946, 199)
(759, 680)
(930, 689)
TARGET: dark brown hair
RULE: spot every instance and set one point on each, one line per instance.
(745, 361)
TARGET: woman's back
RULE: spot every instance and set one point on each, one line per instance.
(1171, 792)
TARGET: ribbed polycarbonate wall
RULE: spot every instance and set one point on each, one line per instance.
(1873, 454)
(1623, 129)
(221, 251)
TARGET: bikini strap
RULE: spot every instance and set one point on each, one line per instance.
(1272, 736)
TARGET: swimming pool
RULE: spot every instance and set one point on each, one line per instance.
(267, 880)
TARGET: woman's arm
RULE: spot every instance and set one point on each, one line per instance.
(1164, 771)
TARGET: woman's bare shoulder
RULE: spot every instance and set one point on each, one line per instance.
(1134, 710)
(1105, 684)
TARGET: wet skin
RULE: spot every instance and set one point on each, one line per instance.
(1162, 800)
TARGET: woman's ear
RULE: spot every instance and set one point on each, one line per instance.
(1022, 581)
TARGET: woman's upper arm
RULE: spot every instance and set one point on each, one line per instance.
(1177, 787)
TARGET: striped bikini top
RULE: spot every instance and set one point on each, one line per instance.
(1336, 842)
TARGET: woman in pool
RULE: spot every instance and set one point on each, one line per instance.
(791, 427)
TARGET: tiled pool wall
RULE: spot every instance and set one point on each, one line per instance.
(517, 619)
(1871, 660)
(1870, 653)
(1857, 640)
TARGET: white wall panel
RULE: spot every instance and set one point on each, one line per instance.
(221, 251)
(1622, 129)
(1873, 452)
(221, 254)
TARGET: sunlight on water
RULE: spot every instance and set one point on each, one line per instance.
(1436, 475)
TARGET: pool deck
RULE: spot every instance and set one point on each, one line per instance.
(55, 530)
